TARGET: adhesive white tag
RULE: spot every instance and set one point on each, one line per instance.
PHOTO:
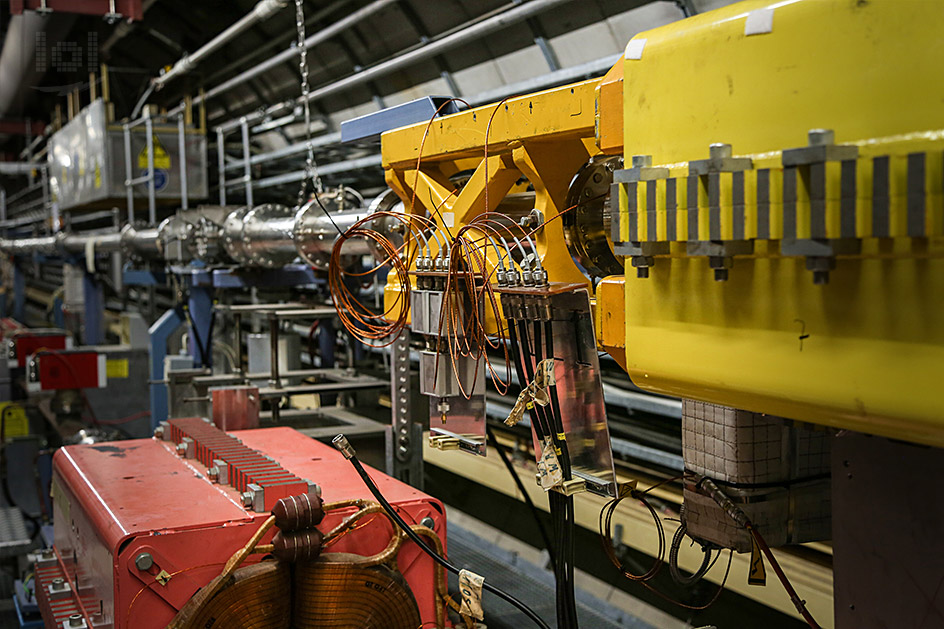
(549, 467)
(634, 48)
(759, 22)
(470, 587)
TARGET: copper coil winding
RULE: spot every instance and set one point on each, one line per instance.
(297, 545)
(256, 598)
(341, 591)
(298, 512)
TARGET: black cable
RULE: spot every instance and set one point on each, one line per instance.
(567, 549)
(196, 337)
(527, 498)
(326, 212)
(341, 443)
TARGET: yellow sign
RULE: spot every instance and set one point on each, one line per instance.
(117, 368)
(161, 158)
(15, 422)
(98, 175)
(758, 572)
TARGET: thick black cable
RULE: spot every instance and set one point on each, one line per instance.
(340, 442)
(542, 530)
(567, 552)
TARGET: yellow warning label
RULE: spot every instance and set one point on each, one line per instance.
(758, 572)
(161, 158)
(98, 175)
(116, 368)
(15, 423)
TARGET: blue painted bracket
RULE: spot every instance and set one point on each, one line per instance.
(370, 126)
(290, 275)
(143, 277)
(200, 307)
(159, 334)
(94, 316)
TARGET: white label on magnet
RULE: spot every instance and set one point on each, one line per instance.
(470, 587)
(634, 48)
(449, 219)
(759, 22)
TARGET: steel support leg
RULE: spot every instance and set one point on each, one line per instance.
(158, 335)
(19, 294)
(326, 337)
(404, 437)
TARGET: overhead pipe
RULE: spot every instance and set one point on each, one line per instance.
(481, 29)
(292, 52)
(263, 10)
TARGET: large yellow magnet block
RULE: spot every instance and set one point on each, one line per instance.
(864, 351)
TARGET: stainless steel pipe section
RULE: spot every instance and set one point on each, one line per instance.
(267, 236)
(261, 236)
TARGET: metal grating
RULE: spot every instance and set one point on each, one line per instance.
(14, 539)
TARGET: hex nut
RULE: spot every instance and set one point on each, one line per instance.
(247, 499)
(144, 561)
(719, 150)
(821, 137)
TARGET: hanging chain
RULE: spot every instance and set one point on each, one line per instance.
(311, 169)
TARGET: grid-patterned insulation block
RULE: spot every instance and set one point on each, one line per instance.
(758, 459)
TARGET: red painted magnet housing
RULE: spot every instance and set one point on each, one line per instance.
(114, 502)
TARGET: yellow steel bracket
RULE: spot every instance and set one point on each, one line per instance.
(542, 138)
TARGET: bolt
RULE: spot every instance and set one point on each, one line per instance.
(719, 150)
(75, 620)
(247, 499)
(48, 553)
(820, 278)
(58, 583)
(721, 275)
(428, 522)
(642, 161)
(181, 449)
(642, 272)
(159, 432)
(213, 473)
(144, 561)
(821, 137)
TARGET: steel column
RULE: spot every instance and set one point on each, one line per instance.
(404, 437)
(19, 293)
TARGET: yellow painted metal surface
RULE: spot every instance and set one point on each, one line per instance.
(866, 350)
(545, 137)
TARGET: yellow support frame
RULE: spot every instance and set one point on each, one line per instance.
(545, 137)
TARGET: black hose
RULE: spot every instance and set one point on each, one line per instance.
(341, 443)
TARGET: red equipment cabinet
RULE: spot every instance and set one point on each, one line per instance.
(70, 369)
(21, 344)
(116, 502)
